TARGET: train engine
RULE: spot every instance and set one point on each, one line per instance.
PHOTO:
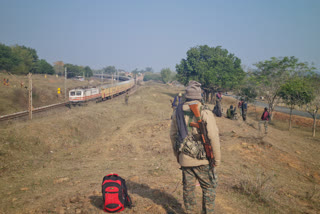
(80, 95)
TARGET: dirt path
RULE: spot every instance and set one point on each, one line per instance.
(61, 169)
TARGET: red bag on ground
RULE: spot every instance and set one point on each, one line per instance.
(115, 194)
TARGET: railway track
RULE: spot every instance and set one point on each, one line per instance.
(34, 111)
(49, 107)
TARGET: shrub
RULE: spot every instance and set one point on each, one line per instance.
(258, 187)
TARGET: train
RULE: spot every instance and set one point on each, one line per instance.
(101, 93)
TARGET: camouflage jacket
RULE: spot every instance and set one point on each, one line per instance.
(213, 135)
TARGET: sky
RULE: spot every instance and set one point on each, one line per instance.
(130, 34)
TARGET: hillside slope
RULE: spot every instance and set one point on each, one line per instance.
(14, 97)
(56, 163)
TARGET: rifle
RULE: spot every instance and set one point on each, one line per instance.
(203, 132)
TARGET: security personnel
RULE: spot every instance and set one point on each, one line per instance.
(190, 152)
(177, 100)
(126, 98)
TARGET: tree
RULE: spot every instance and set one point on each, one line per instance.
(97, 71)
(215, 68)
(26, 60)
(135, 72)
(314, 106)
(88, 72)
(249, 93)
(110, 70)
(271, 74)
(7, 59)
(152, 76)
(173, 76)
(43, 67)
(58, 67)
(34, 56)
(148, 69)
(165, 75)
(296, 92)
(73, 70)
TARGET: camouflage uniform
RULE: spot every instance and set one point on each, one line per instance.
(264, 120)
(197, 168)
(265, 123)
(189, 150)
(208, 181)
(244, 111)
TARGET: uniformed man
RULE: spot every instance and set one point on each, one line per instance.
(231, 112)
(264, 120)
(244, 108)
(126, 98)
(177, 100)
(190, 152)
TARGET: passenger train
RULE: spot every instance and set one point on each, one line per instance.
(81, 95)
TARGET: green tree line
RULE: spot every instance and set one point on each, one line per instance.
(22, 60)
(76, 70)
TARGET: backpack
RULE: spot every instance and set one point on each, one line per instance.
(115, 194)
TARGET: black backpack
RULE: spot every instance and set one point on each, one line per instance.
(115, 194)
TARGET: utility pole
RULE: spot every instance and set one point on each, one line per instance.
(102, 75)
(112, 79)
(65, 83)
(30, 96)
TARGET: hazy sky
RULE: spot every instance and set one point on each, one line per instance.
(133, 34)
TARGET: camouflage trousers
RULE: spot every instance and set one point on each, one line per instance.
(265, 123)
(218, 104)
(208, 181)
(244, 115)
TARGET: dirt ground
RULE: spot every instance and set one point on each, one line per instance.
(56, 162)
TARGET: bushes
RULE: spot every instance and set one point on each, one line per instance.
(258, 187)
(152, 76)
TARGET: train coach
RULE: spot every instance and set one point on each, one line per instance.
(81, 95)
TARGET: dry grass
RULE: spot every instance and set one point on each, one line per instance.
(14, 98)
(62, 157)
(258, 186)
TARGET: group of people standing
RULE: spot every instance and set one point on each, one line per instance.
(231, 112)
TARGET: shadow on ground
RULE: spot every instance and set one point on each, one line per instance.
(97, 201)
(159, 197)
